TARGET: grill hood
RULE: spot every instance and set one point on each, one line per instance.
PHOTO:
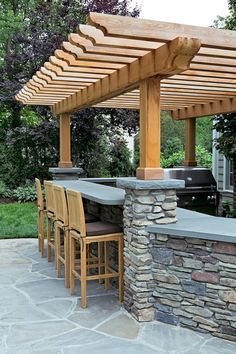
(194, 177)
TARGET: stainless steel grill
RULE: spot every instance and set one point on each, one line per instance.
(200, 192)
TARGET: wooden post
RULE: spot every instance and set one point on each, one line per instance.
(150, 130)
(190, 142)
(65, 148)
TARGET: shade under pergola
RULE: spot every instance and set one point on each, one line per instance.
(123, 62)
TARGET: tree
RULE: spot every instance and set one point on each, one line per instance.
(30, 31)
(225, 124)
(204, 128)
(120, 164)
(226, 143)
(170, 129)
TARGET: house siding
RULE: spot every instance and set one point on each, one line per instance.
(219, 174)
(225, 195)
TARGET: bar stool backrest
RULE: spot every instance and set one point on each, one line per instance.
(50, 203)
(39, 193)
(60, 204)
(76, 212)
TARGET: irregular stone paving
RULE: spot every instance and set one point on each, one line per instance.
(38, 316)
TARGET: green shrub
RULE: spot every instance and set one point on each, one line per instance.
(25, 194)
(204, 158)
(5, 192)
(228, 210)
(176, 159)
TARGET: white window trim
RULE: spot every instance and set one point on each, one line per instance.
(224, 179)
(215, 157)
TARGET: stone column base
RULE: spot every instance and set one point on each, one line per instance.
(65, 173)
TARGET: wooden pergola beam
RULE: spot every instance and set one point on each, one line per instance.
(201, 110)
(104, 60)
(132, 28)
(65, 141)
(150, 130)
(190, 142)
(169, 59)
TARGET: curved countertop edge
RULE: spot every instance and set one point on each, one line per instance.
(103, 201)
(207, 228)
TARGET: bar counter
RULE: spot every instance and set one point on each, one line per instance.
(96, 192)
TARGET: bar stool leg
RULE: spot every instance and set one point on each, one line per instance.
(83, 273)
(88, 257)
(121, 268)
(58, 247)
(41, 230)
(107, 256)
(100, 259)
(55, 245)
(49, 225)
(72, 264)
(67, 259)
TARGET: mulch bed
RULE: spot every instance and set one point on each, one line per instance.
(7, 200)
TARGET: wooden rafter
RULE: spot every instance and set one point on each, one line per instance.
(103, 64)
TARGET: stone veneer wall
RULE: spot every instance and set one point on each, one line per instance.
(143, 208)
(180, 281)
(195, 284)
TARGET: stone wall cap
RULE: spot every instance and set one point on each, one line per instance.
(133, 183)
(65, 169)
(206, 228)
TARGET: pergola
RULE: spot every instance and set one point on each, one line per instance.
(123, 62)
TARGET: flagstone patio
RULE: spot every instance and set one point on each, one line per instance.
(37, 315)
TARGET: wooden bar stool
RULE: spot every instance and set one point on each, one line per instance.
(41, 212)
(51, 217)
(86, 234)
(62, 250)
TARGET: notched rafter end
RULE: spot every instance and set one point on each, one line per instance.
(181, 52)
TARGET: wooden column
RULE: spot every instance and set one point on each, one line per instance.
(150, 130)
(65, 143)
(190, 142)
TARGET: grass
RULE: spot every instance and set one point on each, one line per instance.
(18, 220)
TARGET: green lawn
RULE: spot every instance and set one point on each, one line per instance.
(18, 220)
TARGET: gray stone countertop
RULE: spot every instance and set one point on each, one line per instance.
(138, 184)
(98, 180)
(96, 192)
(197, 225)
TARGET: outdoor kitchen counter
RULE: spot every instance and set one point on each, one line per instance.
(197, 225)
(190, 223)
(96, 192)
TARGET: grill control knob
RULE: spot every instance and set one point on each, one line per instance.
(208, 197)
(193, 198)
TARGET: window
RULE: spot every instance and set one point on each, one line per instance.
(228, 175)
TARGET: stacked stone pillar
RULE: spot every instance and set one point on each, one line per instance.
(146, 203)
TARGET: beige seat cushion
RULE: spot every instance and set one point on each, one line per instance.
(102, 228)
